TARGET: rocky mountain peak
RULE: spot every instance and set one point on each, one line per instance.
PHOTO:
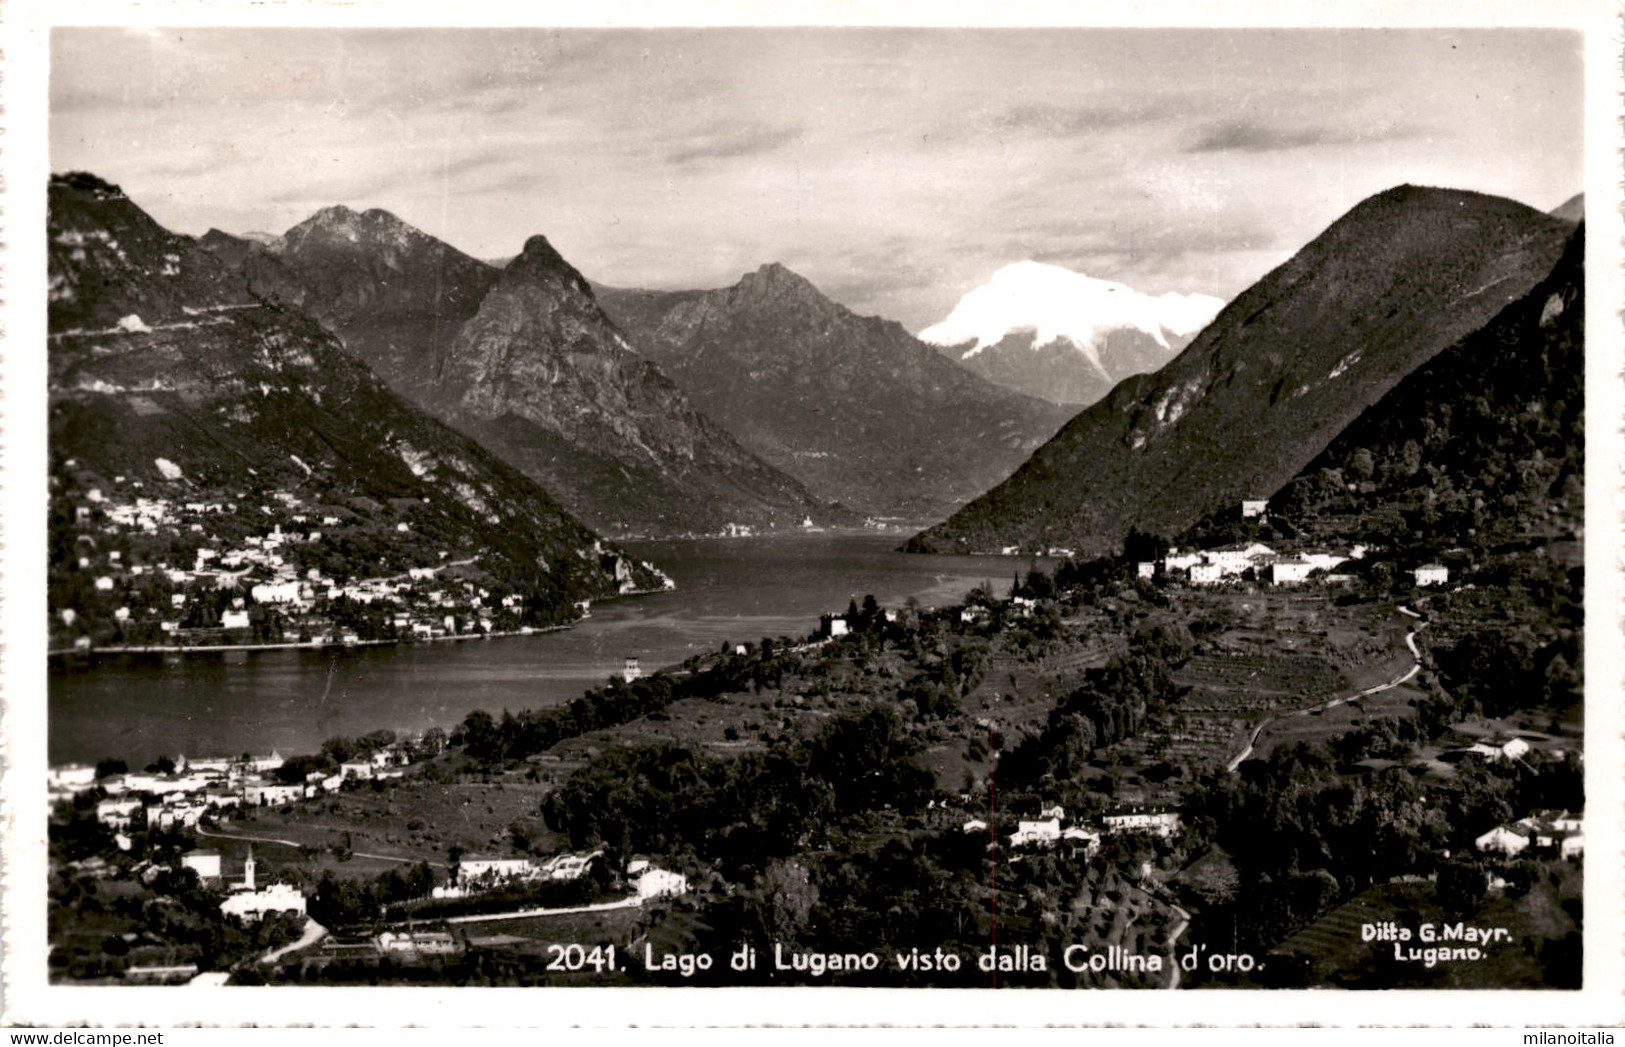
(541, 262)
(85, 182)
(775, 282)
(108, 260)
(342, 228)
(853, 406)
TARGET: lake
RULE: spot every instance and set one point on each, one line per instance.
(138, 707)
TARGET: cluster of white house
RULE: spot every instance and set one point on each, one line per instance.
(225, 568)
(485, 872)
(1211, 566)
(1550, 832)
(838, 625)
(1494, 752)
(1049, 830)
(1059, 552)
(197, 787)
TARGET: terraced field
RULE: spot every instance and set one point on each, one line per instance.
(1333, 943)
(1229, 693)
(1265, 653)
(1537, 921)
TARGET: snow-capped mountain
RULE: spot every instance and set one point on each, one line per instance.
(1055, 333)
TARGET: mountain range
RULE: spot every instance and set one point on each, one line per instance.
(523, 359)
(853, 406)
(1065, 337)
(1273, 381)
(171, 383)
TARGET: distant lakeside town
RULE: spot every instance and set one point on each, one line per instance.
(153, 573)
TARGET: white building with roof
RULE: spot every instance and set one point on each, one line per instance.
(568, 866)
(272, 794)
(1431, 574)
(1042, 833)
(256, 905)
(1504, 839)
(205, 863)
(652, 882)
(1206, 573)
(71, 776)
(1290, 572)
(1160, 823)
(491, 868)
(118, 814)
(417, 943)
(1077, 837)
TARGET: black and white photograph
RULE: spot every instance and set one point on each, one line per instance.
(1012, 506)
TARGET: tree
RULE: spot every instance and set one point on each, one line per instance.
(1142, 547)
(1361, 463)
(480, 735)
(1462, 886)
(297, 769)
(1038, 585)
(420, 880)
(433, 743)
(339, 748)
(787, 899)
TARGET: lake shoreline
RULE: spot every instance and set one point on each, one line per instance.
(311, 645)
(138, 702)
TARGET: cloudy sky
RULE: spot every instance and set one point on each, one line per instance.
(896, 168)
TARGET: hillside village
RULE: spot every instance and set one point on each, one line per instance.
(147, 567)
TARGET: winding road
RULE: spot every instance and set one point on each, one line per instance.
(1405, 677)
(1173, 946)
(313, 933)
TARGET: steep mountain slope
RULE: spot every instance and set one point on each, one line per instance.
(543, 378)
(1276, 377)
(171, 386)
(523, 359)
(1065, 337)
(853, 406)
(1484, 444)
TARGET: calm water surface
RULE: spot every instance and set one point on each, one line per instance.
(137, 707)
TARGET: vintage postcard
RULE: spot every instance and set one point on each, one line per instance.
(843, 514)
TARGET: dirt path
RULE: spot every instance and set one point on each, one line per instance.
(1173, 945)
(313, 933)
(201, 831)
(630, 902)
